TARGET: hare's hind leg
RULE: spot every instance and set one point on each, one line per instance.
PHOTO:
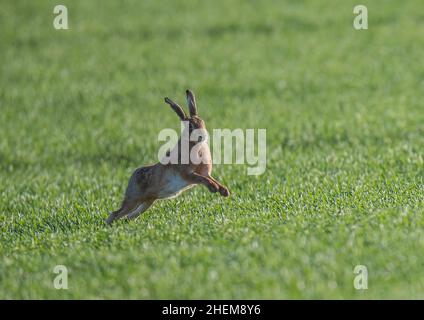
(127, 207)
(140, 209)
(134, 195)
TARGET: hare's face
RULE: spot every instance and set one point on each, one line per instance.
(197, 125)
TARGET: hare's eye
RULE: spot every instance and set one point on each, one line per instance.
(199, 139)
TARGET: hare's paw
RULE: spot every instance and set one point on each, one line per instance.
(224, 191)
(110, 219)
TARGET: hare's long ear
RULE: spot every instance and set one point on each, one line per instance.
(191, 100)
(178, 110)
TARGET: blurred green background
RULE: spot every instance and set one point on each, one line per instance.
(80, 109)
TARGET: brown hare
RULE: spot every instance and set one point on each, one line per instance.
(167, 180)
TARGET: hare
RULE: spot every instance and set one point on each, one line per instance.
(167, 180)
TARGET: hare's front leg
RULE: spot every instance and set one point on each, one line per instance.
(223, 190)
(210, 183)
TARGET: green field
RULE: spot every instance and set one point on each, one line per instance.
(80, 109)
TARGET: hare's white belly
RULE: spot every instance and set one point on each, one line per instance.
(173, 186)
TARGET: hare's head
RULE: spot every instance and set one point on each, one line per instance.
(194, 121)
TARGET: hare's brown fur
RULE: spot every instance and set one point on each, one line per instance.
(162, 181)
